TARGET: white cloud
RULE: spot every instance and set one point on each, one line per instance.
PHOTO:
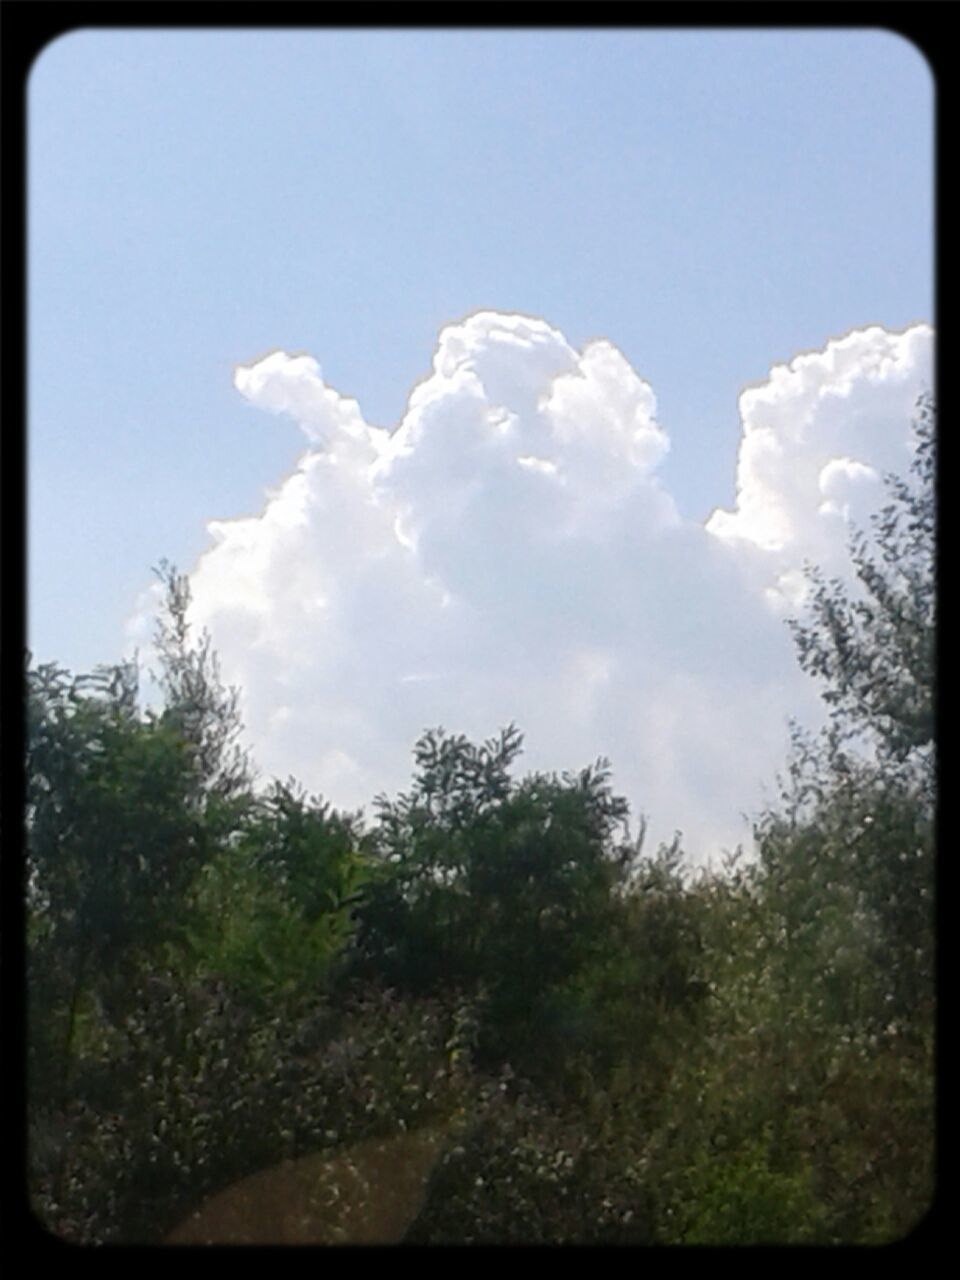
(818, 435)
(508, 553)
(841, 481)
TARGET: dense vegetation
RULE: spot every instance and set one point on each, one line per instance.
(222, 976)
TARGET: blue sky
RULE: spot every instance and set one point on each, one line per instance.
(711, 202)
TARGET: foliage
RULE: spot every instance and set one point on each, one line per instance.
(848, 861)
(273, 912)
(121, 806)
(490, 886)
(111, 835)
(527, 1173)
(197, 707)
(779, 1095)
(849, 884)
(875, 652)
(739, 1199)
(642, 991)
(205, 1090)
(113, 841)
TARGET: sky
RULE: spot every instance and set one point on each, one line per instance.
(475, 377)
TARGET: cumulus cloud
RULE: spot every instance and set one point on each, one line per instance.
(818, 435)
(508, 552)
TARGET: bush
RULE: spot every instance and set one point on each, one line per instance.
(208, 1091)
(528, 1173)
(738, 1199)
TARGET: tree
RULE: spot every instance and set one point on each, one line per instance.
(875, 652)
(849, 864)
(112, 842)
(489, 886)
(123, 809)
(273, 912)
(196, 703)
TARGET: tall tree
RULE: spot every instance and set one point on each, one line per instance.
(849, 863)
(113, 840)
(875, 651)
(197, 705)
(123, 809)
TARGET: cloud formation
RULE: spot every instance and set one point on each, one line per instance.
(817, 437)
(509, 553)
